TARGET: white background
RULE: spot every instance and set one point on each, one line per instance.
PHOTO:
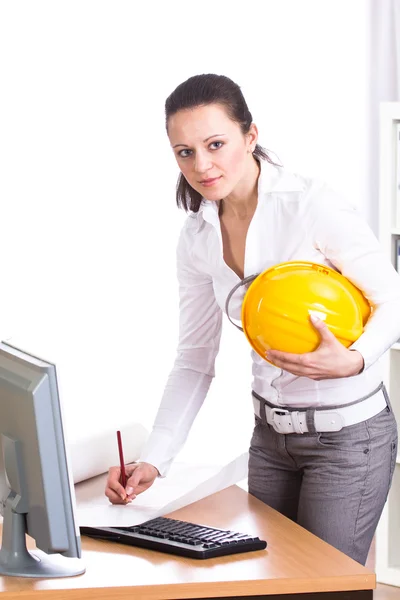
(87, 180)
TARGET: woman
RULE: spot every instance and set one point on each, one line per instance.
(245, 215)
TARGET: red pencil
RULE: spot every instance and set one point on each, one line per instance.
(121, 460)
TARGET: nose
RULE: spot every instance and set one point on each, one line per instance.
(202, 162)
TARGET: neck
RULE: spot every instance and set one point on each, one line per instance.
(242, 201)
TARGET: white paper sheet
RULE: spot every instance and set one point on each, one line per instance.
(96, 454)
(183, 485)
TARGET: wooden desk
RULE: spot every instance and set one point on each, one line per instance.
(295, 562)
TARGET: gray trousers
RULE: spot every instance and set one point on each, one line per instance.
(333, 484)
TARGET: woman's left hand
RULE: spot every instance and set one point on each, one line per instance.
(330, 360)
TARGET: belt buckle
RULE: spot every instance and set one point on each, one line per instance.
(276, 424)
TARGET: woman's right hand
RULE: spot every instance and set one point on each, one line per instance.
(140, 476)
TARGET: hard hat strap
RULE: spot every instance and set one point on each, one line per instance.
(244, 281)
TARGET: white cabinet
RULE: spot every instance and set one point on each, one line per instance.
(388, 532)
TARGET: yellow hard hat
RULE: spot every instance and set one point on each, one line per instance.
(277, 306)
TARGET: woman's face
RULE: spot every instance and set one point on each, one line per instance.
(212, 153)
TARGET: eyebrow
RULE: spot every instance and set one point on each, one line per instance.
(206, 140)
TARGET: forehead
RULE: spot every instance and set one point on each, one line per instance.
(199, 123)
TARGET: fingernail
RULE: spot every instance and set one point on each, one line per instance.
(314, 318)
(129, 491)
(123, 496)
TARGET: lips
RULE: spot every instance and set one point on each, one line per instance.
(209, 182)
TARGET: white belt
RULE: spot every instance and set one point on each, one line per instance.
(294, 421)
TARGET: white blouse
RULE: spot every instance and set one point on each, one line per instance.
(296, 219)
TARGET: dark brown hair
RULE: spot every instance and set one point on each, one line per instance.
(202, 90)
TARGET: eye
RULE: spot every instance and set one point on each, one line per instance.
(184, 153)
(216, 145)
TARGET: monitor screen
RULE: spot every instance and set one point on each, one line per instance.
(36, 489)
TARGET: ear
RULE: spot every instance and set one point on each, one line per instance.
(252, 137)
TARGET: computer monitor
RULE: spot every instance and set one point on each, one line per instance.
(36, 491)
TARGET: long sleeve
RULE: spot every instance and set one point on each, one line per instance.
(200, 324)
(350, 245)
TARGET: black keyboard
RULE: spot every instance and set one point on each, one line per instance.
(179, 537)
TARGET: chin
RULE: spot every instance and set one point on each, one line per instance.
(212, 197)
(218, 193)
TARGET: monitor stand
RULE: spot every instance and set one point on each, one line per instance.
(17, 561)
